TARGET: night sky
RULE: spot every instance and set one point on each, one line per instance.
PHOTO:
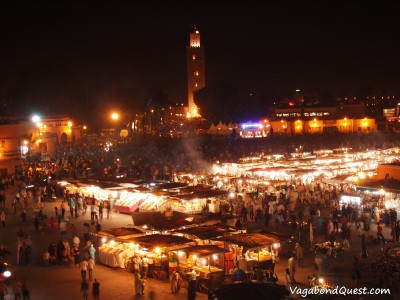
(92, 56)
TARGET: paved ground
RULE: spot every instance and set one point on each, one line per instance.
(63, 282)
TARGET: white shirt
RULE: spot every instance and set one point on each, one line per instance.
(91, 264)
(84, 265)
(193, 275)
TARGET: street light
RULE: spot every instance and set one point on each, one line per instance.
(115, 117)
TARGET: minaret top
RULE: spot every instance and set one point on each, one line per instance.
(195, 38)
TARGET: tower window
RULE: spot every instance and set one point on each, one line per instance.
(195, 84)
(194, 56)
(196, 73)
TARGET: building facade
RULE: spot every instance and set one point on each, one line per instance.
(195, 70)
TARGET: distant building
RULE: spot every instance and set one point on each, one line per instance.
(290, 126)
(10, 147)
(22, 137)
(195, 70)
(295, 110)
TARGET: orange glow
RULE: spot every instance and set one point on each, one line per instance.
(115, 116)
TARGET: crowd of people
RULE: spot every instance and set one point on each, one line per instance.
(297, 204)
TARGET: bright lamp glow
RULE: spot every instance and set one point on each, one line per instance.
(35, 119)
(7, 274)
(114, 116)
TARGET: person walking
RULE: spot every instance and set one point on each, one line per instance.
(96, 290)
(85, 289)
(84, 267)
(91, 265)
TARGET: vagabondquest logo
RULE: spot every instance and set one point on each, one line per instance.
(338, 291)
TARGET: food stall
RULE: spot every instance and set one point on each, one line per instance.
(206, 260)
(193, 203)
(253, 249)
(206, 233)
(129, 201)
(156, 248)
(353, 200)
(116, 248)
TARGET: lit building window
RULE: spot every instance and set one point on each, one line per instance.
(196, 73)
(194, 56)
(195, 85)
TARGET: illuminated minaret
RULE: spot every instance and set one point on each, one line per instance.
(195, 70)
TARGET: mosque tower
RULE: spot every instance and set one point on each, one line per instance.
(195, 70)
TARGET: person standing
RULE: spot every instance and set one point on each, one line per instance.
(92, 252)
(300, 255)
(174, 282)
(251, 211)
(3, 219)
(292, 268)
(17, 289)
(76, 255)
(96, 290)
(364, 254)
(138, 282)
(287, 280)
(145, 266)
(23, 216)
(379, 234)
(91, 265)
(356, 271)
(25, 290)
(62, 208)
(192, 290)
(85, 290)
(3, 290)
(101, 209)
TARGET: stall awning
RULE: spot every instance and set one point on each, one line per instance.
(205, 232)
(167, 224)
(121, 232)
(202, 195)
(160, 240)
(171, 185)
(204, 250)
(250, 240)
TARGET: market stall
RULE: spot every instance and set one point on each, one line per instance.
(155, 247)
(130, 201)
(205, 234)
(206, 261)
(253, 249)
(194, 203)
(116, 248)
